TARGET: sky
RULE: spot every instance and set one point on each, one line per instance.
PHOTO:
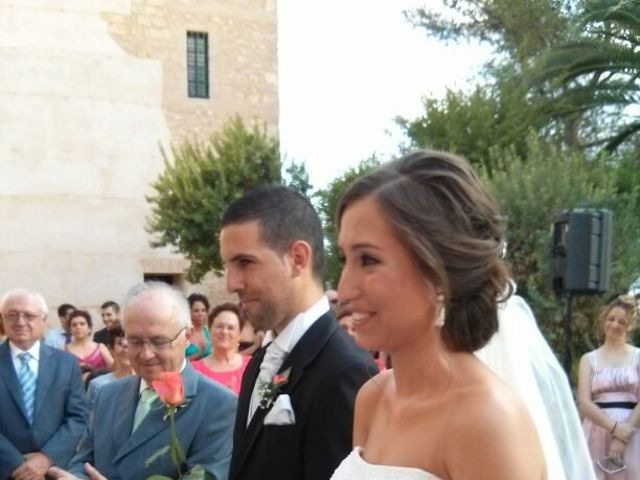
(347, 68)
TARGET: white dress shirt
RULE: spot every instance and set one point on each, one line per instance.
(286, 341)
(293, 332)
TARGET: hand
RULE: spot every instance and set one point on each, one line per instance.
(616, 449)
(35, 467)
(93, 473)
(624, 431)
(59, 474)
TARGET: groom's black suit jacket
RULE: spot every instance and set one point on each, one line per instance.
(327, 370)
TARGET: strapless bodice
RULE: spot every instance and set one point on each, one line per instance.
(354, 467)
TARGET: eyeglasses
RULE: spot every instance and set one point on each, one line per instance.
(14, 316)
(611, 465)
(155, 344)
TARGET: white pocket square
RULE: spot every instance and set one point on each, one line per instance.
(281, 413)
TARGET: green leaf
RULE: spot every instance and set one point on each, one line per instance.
(197, 473)
(157, 454)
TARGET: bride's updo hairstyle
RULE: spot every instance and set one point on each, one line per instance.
(450, 224)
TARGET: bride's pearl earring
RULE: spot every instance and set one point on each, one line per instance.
(441, 312)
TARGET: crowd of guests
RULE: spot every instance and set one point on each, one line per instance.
(214, 348)
(294, 383)
(220, 348)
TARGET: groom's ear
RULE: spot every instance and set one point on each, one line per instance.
(300, 256)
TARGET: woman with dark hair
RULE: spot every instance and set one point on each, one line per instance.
(225, 365)
(117, 344)
(421, 241)
(91, 355)
(608, 385)
(200, 338)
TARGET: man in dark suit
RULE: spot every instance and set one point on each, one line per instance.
(43, 405)
(110, 312)
(123, 433)
(295, 411)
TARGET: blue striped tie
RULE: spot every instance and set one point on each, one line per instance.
(28, 383)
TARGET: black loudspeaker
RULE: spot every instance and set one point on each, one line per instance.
(581, 251)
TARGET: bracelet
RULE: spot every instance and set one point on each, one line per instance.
(614, 427)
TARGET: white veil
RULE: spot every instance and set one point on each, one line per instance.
(520, 355)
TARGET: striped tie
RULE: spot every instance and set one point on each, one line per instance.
(28, 383)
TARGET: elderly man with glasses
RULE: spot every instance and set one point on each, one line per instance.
(42, 402)
(129, 423)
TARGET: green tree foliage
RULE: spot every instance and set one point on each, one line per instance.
(531, 189)
(203, 178)
(518, 28)
(327, 203)
(502, 109)
(298, 178)
(471, 124)
(599, 71)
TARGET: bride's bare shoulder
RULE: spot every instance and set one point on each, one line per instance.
(373, 389)
(493, 432)
(367, 403)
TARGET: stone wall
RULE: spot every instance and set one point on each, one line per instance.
(94, 89)
(243, 62)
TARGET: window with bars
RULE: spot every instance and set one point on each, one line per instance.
(198, 64)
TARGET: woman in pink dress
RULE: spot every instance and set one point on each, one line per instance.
(225, 365)
(608, 383)
(91, 355)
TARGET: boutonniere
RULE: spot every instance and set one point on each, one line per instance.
(270, 390)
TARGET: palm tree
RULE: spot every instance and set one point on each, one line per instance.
(598, 72)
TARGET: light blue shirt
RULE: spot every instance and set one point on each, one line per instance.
(55, 338)
(33, 362)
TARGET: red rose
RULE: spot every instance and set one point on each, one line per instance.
(170, 388)
(280, 379)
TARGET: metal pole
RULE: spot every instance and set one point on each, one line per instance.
(568, 338)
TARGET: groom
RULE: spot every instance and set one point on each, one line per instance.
(295, 411)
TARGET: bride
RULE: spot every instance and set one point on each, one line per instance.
(421, 238)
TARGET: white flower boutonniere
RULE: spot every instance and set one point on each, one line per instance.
(270, 390)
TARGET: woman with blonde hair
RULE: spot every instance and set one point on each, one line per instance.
(608, 383)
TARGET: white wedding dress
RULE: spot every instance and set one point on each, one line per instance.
(520, 355)
(354, 467)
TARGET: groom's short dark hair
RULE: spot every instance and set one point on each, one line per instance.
(284, 216)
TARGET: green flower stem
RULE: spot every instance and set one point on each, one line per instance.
(177, 455)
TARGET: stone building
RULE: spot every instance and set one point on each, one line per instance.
(90, 90)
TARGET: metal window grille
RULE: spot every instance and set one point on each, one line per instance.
(198, 64)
